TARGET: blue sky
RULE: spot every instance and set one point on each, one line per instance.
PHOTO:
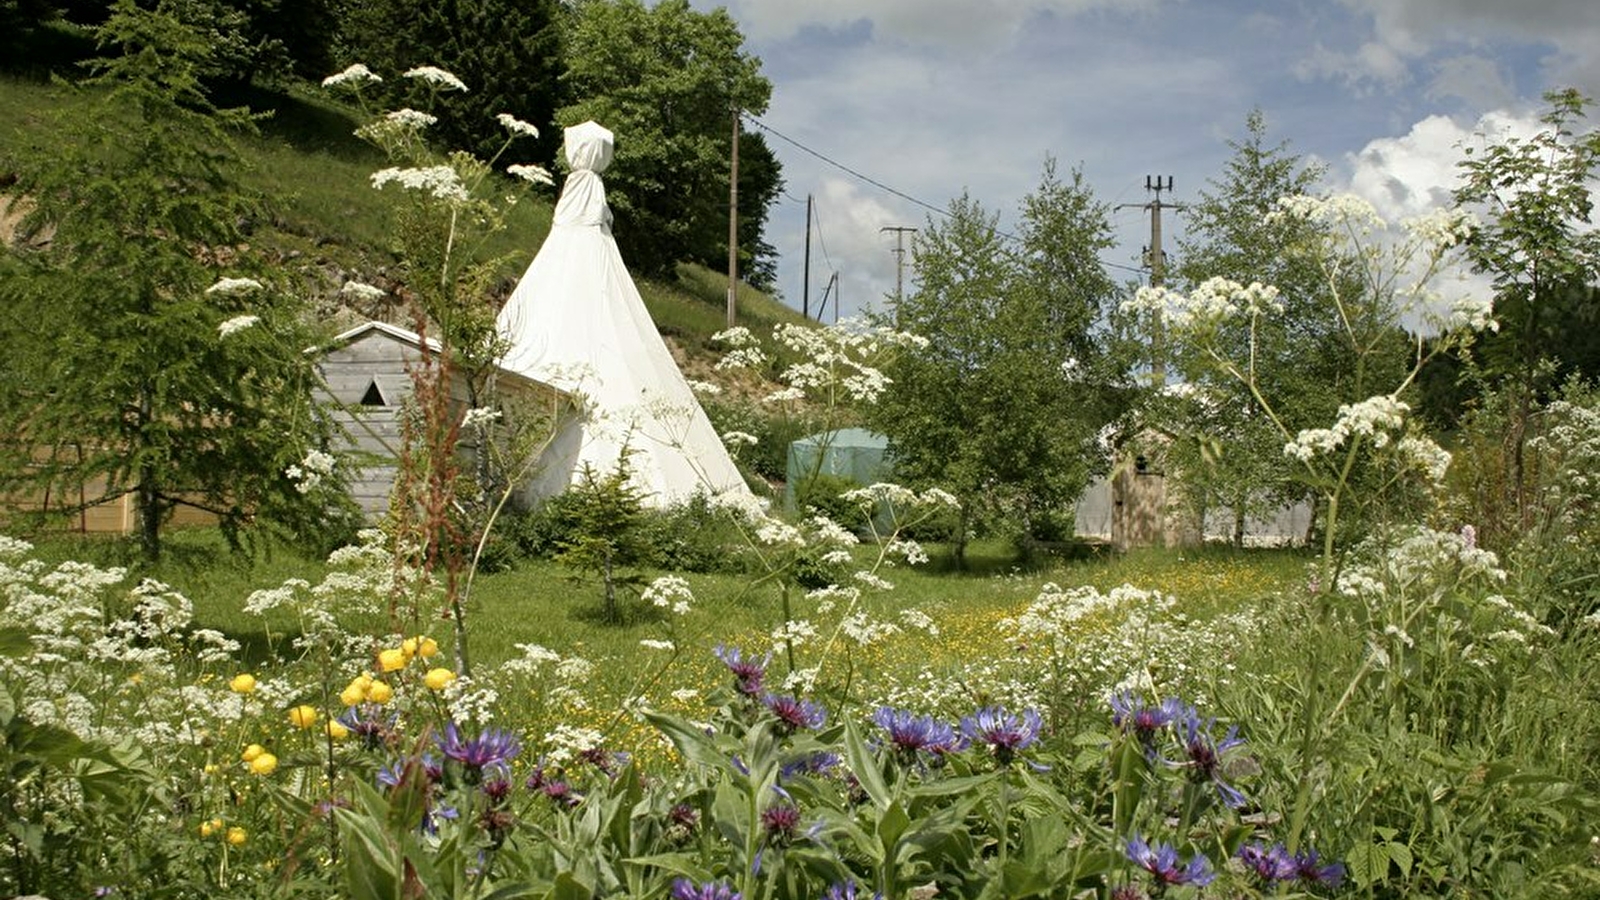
(933, 98)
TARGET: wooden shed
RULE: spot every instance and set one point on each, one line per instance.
(367, 374)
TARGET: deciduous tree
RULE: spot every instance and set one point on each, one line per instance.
(667, 80)
(1003, 406)
(1535, 198)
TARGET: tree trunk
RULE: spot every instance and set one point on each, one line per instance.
(611, 590)
(959, 548)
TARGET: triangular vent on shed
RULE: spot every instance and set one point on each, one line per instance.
(373, 396)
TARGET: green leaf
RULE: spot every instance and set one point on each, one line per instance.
(371, 861)
(512, 892)
(1366, 863)
(1400, 854)
(891, 825)
(568, 887)
(864, 765)
(15, 642)
(49, 744)
(691, 741)
(964, 784)
(683, 864)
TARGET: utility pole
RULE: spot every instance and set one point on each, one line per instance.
(900, 232)
(1156, 259)
(831, 288)
(733, 222)
(805, 280)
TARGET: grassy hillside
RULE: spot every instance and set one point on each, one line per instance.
(327, 225)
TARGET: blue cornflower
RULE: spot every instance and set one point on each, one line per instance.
(492, 749)
(1310, 870)
(391, 775)
(1004, 733)
(428, 768)
(820, 763)
(370, 725)
(1269, 863)
(747, 672)
(684, 889)
(1204, 755)
(1162, 863)
(910, 734)
(794, 714)
(1130, 714)
(846, 890)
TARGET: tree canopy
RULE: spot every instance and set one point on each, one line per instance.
(1004, 404)
(171, 375)
(668, 80)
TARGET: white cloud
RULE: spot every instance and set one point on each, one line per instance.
(1418, 172)
(848, 238)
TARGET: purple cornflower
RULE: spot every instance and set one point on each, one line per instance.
(1004, 733)
(1128, 892)
(684, 889)
(369, 725)
(779, 821)
(910, 734)
(391, 775)
(1310, 870)
(683, 821)
(557, 789)
(1130, 714)
(794, 714)
(845, 890)
(608, 761)
(497, 790)
(1269, 863)
(1162, 863)
(494, 748)
(748, 672)
(820, 763)
(1204, 755)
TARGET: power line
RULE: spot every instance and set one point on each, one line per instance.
(816, 213)
(898, 193)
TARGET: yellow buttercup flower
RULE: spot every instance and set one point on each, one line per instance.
(354, 694)
(237, 836)
(438, 679)
(208, 828)
(409, 647)
(392, 659)
(380, 692)
(264, 764)
(428, 648)
(251, 752)
(336, 730)
(303, 716)
(243, 683)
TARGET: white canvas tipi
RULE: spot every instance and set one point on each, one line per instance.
(576, 322)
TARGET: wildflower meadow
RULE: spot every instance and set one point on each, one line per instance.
(827, 707)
